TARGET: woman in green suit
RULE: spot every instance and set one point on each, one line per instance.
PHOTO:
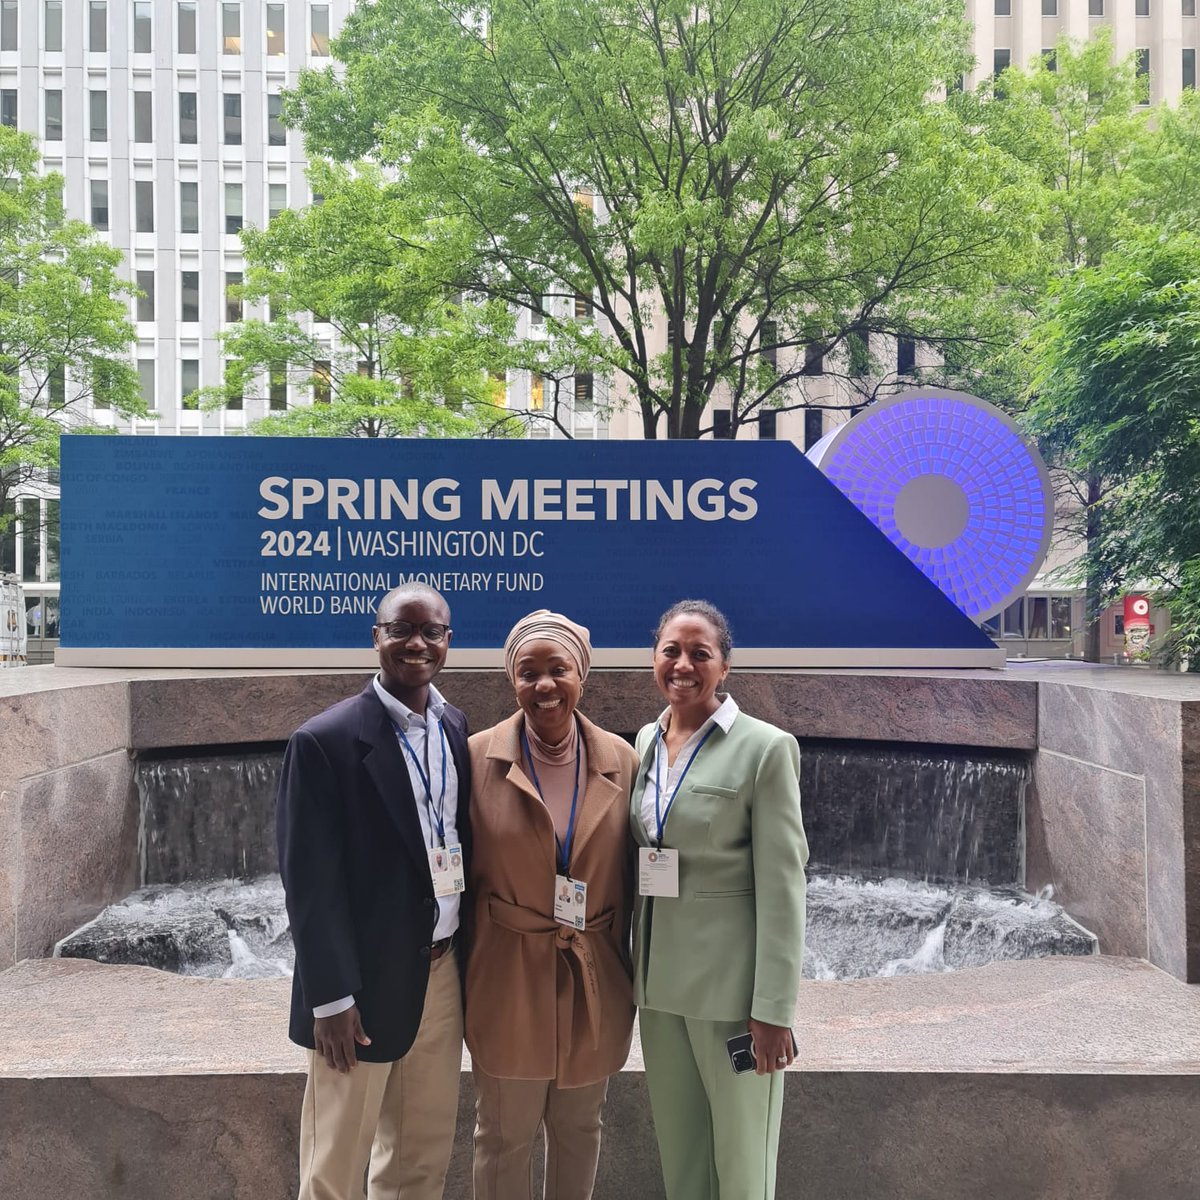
(719, 919)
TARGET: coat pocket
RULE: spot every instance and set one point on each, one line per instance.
(711, 789)
(728, 894)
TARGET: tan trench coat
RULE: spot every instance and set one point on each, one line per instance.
(543, 1001)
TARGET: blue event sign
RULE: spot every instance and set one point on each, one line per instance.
(184, 551)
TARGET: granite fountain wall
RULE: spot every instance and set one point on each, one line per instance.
(1113, 816)
(1053, 1079)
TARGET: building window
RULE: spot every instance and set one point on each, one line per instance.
(1002, 8)
(8, 107)
(52, 18)
(57, 380)
(98, 26)
(189, 295)
(1060, 617)
(145, 302)
(1141, 8)
(583, 306)
(1189, 8)
(1142, 58)
(813, 427)
(584, 393)
(143, 206)
(858, 353)
(233, 119)
(276, 133)
(814, 361)
(277, 395)
(185, 29)
(276, 199)
(1095, 8)
(233, 373)
(8, 24)
(145, 370)
(906, 355)
(537, 392)
(99, 203)
(1189, 67)
(233, 208)
(233, 303)
(1001, 61)
(537, 314)
(143, 116)
(768, 423)
(98, 107)
(319, 43)
(768, 336)
(722, 423)
(189, 208)
(143, 41)
(187, 118)
(1050, 60)
(322, 381)
(54, 115)
(1049, 8)
(276, 44)
(231, 28)
(189, 382)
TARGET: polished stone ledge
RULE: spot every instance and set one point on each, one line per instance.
(1064, 1079)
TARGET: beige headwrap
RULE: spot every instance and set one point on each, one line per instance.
(552, 627)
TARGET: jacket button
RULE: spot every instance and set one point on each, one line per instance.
(425, 951)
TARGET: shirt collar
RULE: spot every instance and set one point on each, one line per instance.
(724, 716)
(403, 715)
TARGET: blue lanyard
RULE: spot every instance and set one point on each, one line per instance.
(436, 818)
(659, 815)
(564, 852)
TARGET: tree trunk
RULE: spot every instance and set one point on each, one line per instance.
(1091, 604)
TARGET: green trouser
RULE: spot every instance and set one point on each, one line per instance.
(718, 1133)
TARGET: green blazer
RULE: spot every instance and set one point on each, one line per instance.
(730, 946)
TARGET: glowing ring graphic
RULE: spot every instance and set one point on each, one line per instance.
(952, 482)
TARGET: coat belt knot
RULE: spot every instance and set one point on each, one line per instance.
(573, 944)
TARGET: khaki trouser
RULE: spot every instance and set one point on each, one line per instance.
(508, 1114)
(399, 1115)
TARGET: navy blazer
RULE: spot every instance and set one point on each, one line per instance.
(355, 870)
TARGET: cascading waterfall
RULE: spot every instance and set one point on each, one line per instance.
(917, 858)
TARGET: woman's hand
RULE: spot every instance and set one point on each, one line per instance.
(772, 1046)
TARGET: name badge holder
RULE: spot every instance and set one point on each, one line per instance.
(570, 895)
(658, 866)
(446, 868)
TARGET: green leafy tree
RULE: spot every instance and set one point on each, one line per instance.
(768, 180)
(65, 335)
(360, 314)
(1117, 394)
(1108, 167)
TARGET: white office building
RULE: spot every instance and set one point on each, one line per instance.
(163, 118)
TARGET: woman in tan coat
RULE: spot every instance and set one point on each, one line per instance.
(549, 1008)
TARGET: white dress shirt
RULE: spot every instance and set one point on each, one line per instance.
(423, 737)
(723, 717)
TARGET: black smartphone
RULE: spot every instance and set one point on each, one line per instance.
(741, 1052)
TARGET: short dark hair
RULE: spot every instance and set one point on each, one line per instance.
(411, 589)
(699, 608)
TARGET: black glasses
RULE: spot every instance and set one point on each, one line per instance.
(401, 631)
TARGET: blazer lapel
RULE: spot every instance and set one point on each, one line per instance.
(601, 792)
(640, 832)
(384, 763)
(505, 747)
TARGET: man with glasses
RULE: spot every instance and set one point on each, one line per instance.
(373, 848)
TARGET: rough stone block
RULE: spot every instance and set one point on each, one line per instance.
(77, 849)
